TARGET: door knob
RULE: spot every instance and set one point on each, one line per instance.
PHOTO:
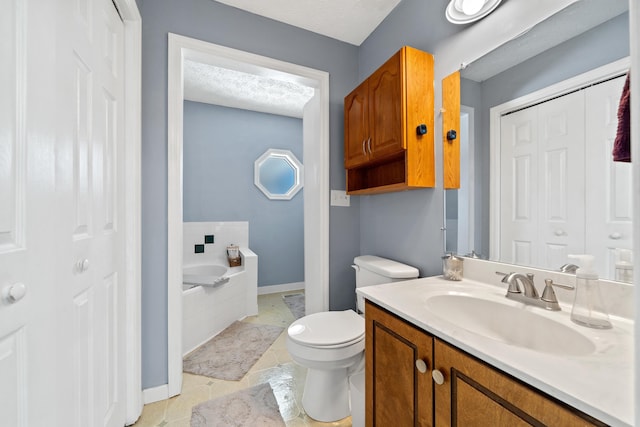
(14, 293)
(421, 366)
(82, 265)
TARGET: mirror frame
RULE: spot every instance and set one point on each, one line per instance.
(295, 164)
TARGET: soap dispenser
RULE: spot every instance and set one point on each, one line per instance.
(588, 309)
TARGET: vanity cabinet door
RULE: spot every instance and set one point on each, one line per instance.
(475, 394)
(397, 392)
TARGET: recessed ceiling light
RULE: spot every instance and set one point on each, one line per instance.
(467, 11)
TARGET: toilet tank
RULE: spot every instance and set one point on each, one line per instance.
(374, 270)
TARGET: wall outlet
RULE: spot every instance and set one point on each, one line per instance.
(340, 198)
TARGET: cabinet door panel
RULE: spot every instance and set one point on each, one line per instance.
(397, 394)
(475, 394)
(356, 125)
(386, 109)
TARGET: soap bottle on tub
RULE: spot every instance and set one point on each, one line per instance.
(588, 309)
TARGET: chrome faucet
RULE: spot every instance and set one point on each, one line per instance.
(529, 293)
(512, 279)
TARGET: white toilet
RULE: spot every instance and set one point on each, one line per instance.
(331, 344)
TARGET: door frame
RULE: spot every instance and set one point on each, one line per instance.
(564, 87)
(316, 160)
(131, 224)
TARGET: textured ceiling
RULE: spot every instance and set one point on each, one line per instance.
(229, 88)
(350, 21)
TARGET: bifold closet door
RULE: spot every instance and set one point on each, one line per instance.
(561, 192)
(608, 183)
(542, 184)
(61, 249)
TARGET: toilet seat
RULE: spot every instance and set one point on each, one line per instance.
(332, 329)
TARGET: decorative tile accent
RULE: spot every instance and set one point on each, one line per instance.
(208, 238)
(199, 249)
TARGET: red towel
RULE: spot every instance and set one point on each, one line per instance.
(622, 144)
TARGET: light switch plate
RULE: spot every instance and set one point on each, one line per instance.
(340, 198)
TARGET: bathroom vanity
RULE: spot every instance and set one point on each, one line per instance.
(446, 353)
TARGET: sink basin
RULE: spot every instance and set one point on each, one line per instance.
(510, 324)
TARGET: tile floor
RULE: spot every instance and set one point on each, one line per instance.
(275, 366)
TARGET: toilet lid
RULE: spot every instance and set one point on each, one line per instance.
(327, 328)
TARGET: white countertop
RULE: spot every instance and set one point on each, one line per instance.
(599, 384)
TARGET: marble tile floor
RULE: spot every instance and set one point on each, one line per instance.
(275, 366)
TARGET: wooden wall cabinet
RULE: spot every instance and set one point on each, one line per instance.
(400, 389)
(383, 150)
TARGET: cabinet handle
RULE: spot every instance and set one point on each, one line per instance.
(421, 366)
(364, 149)
(369, 145)
(615, 235)
(437, 376)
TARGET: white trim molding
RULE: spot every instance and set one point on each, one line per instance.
(316, 175)
(285, 287)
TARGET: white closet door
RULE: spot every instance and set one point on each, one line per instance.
(28, 291)
(608, 183)
(90, 185)
(560, 176)
(542, 183)
(519, 187)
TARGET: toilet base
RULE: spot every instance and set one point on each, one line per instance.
(326, 394)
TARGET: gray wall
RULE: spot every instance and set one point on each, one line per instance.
(217, 23)
(602, 45)
(220, 147)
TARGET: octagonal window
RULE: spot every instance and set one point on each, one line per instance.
(278, 174)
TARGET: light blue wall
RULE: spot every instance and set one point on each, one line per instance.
(217, 23)
(602, 45)
(220, 147)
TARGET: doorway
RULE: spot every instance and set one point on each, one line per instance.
(316, 177)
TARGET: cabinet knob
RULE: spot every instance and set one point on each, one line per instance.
(421, 366)
(437, 377)
(615, 235)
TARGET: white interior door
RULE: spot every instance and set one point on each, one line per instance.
(556, 155)
(561, 145)
(608, 184)
(61, 343)
(28, 327)
(519, 237)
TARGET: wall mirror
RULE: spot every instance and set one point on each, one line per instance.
(585, 36)
(278, 174)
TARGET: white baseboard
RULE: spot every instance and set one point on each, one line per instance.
(155, 394)
(286, 287)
